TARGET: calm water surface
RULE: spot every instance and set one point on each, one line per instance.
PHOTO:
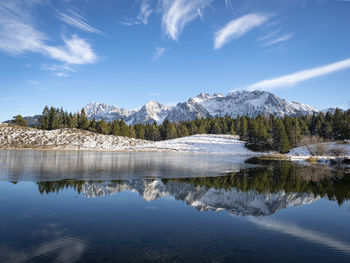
(156, 207)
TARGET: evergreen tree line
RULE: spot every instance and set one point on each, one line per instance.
(263, 133)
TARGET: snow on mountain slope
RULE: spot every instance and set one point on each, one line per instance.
(203, 106)
(150, 112)
(202, 198)
(252, 104)
(100, 111)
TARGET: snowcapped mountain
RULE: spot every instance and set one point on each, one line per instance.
(203, 106)
(100, 110)
(202, 198)
(150, 112)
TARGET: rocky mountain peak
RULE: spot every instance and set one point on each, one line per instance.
(250, 103)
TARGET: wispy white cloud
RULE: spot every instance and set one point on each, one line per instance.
(177, 13)
(159, 52)
(237, 28)
(59, 70)
(270, 35)
(75, 51)
(76, 20)
(19, 34)
(228, 3)
(291, 79)
(280, 39)
(129, 23)
(145, 11)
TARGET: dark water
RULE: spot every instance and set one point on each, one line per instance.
(149, 207)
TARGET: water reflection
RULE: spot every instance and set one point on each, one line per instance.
(87, 207)
(303, 233)
(62, 249)
(58, 165)
(257, 191)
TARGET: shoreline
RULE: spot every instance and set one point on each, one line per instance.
(74, 140)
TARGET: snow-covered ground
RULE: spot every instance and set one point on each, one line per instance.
(15, 137)
(202, 143)
(322, 151)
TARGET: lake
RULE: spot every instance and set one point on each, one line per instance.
(163, 207)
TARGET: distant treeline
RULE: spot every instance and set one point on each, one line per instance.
(263, 133)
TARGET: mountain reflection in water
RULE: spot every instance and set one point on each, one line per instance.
(257, 191)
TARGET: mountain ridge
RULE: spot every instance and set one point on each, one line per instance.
(204, 105)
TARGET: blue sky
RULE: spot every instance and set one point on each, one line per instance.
(126, 52)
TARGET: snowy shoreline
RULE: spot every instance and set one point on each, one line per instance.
(23, 138)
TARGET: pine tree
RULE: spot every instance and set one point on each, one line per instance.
(83, 121)
(53, 119)
(140, 132)
(132, 133)
(183, 131)
(201, 129)
(171, 132)
(295, 133)
(115, 129)
(102, 127)
(72, 121)
(93, 126)
(44, 119)
(155, 133)
(216, 127)
(280, 138)
(193, 128)
(19, 120)
(124, 129)
(243, 127)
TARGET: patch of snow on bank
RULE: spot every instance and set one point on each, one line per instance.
(203, 143)
(303, 152)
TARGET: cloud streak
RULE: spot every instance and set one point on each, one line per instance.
(146, 9)
(277, 40)
(145, 12)
(178, 13)
(19, 34)
(78, 21)
(292, 79)
(237, 28)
